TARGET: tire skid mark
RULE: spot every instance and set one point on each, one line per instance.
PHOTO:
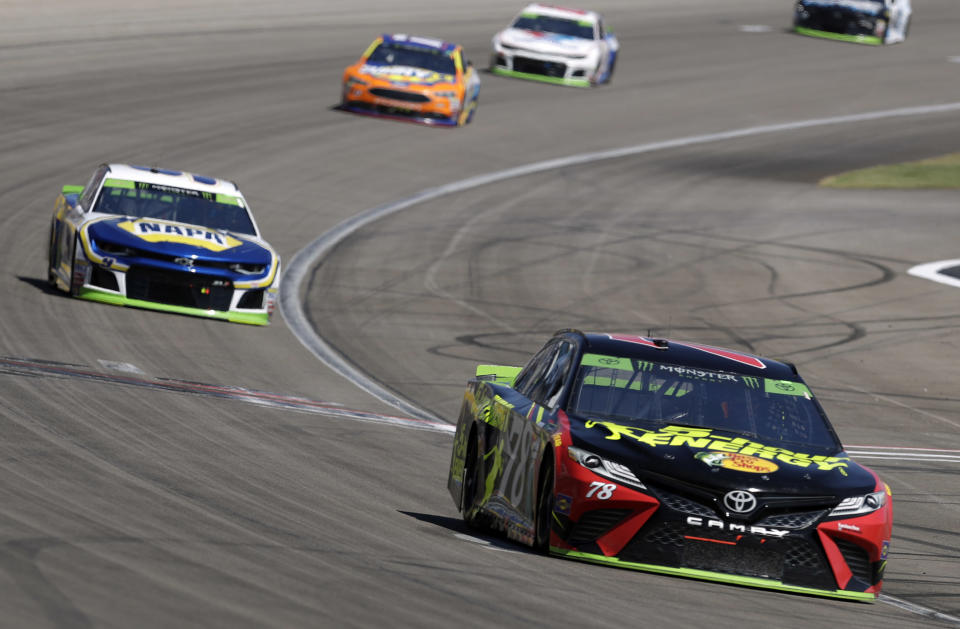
(34, 368)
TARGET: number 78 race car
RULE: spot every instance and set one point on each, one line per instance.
(670, 457)
(163, 240)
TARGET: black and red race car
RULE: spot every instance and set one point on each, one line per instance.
(670, 457)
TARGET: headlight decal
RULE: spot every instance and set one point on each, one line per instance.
(606, 468)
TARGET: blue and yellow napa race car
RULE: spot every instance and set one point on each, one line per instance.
(670, 457)
(164, 240)
(860, 21)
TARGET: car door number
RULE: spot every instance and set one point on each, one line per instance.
(601, 491)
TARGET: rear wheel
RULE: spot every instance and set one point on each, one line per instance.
(472, 484)
(544, 517)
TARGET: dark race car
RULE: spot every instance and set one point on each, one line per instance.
(670, 457)
(861, 21)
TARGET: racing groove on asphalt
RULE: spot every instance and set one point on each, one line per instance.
(142, 506)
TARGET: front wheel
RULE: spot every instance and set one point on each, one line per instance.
(76, 276)
(544, 517)
(52, 256)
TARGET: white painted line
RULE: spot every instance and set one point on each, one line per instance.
(903, 454)
(931, 271)
(307, 258)
(755, 28)
(121, 367)
(902, 448)
(888, 457)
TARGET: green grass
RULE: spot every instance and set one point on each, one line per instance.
(936, 172)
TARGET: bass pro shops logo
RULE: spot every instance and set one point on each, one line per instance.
(738, 462)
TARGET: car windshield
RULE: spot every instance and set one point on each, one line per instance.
(628, 390)
(148, 200)
(396, 54)
(548, 24)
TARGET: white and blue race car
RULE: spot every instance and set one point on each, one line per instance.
(164, 240)
(861, 21)
(556, 45)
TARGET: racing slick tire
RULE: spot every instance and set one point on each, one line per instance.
(544, 513)
(472, 482)
(75, 285)
(52, 258)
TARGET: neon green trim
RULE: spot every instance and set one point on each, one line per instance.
(68, 189)
(500, 373)
(260, 318)
(540, 77)
(226, 199)
(786, 387)
(856, 39)
(119, 183)
(706, 575)
(612, 362)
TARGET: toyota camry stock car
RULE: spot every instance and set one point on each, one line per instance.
(670, 457)
(556, 45)
(861, 21)
(412, 78)
(164, 240)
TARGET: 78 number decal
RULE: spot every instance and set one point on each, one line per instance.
(600, 490)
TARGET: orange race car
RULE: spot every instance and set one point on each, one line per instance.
(412, 78)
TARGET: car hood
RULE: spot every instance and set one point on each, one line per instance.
(547, 43)
(720, 461)
(861, 6)
(403, 75)
(175, 239)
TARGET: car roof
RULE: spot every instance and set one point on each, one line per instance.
(426, 42)
(563, 12)
(174, 178)
(683, 353)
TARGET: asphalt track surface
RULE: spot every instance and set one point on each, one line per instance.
(158, 470)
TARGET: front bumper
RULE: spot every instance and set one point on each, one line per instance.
(525, 64)
(660, 530)
(410, 105)
(840, 25)
(182, 292)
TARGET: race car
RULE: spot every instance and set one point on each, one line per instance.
(671, 457)
(862, 21)
(164, 240)
(556, 45)
(413, 78)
